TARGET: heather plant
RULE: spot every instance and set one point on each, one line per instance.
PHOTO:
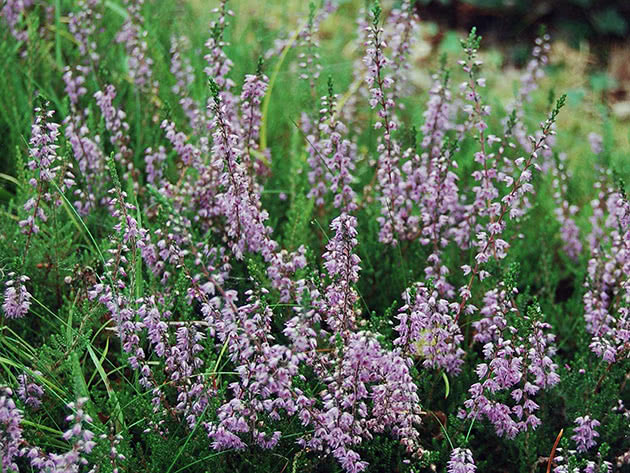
(223, 253)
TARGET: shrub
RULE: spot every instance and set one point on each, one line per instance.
(204, 284)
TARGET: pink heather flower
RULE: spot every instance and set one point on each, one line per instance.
(309, 45)
(365, 371)
(607, 282)
(517, 363)
(318, 175)
(437, 116)
(596, 141)
(569, 231)
(44, 161)
(79, 417)
(343, 267)
(87, 150)
(427, 329)
(307, 42)
(153, 164)
(29, 391)
(240, 202)
(82, 26)
(585, 434)
(10, 430)
(433, 186)
(187, 152)
(114, 455)
(82, 444)
(182, 70)
(116, 125)
(359, 68)
(331, 158)
(265, 371)
(599, 466)
(220, 65)
(461, 461)
(134, 39)
(75, 80)
(530, 79)
(17, 299)
(12, 12)
(496, 306)
(118, 129)
(246, 227)
(251, 99)
(400, 37)
(512, 205)
(394, 204)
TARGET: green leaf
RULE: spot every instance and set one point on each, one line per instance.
(447, 386)
(98, 363)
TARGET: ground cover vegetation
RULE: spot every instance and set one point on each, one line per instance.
(283, 239)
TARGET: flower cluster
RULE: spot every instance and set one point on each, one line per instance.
(461, 461)
(240, 327)
(116, 125)
(10, 430)
(44, 163)
(12, 12)
(79, 435)
(254, 89)
(519, 362)
(404, 29)
(342, 265)
(428, 330)
(17, 299)
(331, 157)
(29, 391)
(139, 62)
(184, 75)
(608, 283)
(585, 433)
(565, 212)
(82, 26)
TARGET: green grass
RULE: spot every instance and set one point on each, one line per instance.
(68, 337)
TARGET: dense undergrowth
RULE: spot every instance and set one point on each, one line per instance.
(261, 247)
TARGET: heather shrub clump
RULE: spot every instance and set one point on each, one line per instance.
(224, 248)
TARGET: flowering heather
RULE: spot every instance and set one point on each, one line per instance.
(12, 12)
(43, 163)
(11, 430)
(427, 329)
(184, 75)
(134, 39)
(17, 299)
(519, 362)
(353, 255)
(82, 26)
(461, 461)
(607, 285)
(254, 89)
(78, 434)
(404, 30)
(116, 124)
(343, 267)
(388, 172)
(565, 212)
(585, 433)
(29, 391)
(331, 157)
(529, 81)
